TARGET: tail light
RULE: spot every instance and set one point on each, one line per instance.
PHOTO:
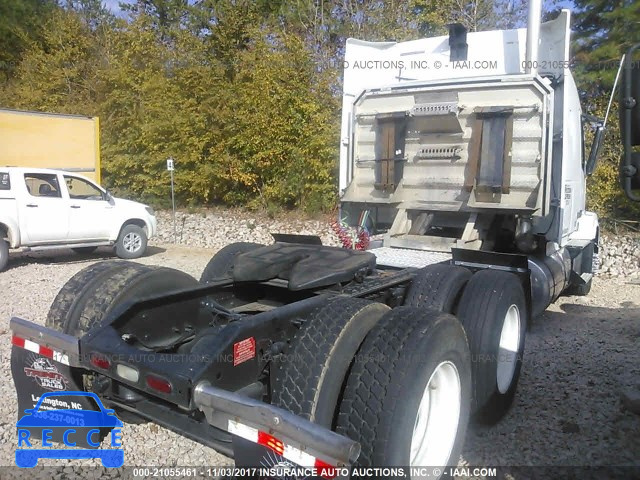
(100, 361)
(271, 442)
(158, 383)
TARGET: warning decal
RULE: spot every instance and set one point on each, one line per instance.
(244, 350)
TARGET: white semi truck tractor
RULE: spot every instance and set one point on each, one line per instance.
(464, 154)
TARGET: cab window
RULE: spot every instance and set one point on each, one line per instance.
(80, 189)
(42, 185)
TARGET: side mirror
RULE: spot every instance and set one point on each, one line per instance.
(630, 125)
(596, 146)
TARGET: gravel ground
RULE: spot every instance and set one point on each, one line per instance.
(580, 355)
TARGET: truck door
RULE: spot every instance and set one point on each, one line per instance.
(43, 212)
(89, 212)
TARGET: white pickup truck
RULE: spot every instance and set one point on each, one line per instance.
(46, 209)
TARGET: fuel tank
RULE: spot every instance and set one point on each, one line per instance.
(549, 277)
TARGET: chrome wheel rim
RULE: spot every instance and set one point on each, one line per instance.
(436, 426)
(509, 344)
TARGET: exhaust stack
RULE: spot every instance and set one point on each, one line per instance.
(533, 36)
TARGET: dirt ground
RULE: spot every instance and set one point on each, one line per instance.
(579, 355)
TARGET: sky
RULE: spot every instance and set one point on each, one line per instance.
(114, 5)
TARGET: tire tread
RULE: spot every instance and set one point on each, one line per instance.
(478, 309)
(369, 390)
(73, 290)
(299, 382)
(438, 287)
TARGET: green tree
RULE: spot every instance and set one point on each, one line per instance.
(21, 23)
(604, 31)
(160, 102)
(279, 137)
(60, 73)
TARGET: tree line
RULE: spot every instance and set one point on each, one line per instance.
(245, 94)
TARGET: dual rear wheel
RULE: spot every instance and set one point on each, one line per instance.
(90, 296)
(411, 377)
(491, 306)
(397, 381)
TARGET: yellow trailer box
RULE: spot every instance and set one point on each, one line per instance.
(50, 140)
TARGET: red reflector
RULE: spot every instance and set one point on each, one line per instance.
(271, 442)
(47, 352)
(328, 471)
(159, 384)
(17, 341)
(100, 362)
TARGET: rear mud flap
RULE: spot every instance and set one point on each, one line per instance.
(260, 462)
(35, 374)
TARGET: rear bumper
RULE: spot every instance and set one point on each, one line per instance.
(303, 442)
(296, 438)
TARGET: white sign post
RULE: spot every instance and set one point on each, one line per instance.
(171, 168)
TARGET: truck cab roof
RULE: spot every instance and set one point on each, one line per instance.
(22, 170)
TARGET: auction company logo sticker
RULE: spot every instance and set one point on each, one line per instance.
(72, 419)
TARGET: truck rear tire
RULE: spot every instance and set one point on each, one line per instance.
(493, 311)
(221, 263)
(72, 296)
(407, 398)
(132, 242)
(91, 294)
(4, 254)
(437, 286)
(311, 379)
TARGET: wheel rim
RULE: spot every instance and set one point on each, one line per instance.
(132, 242)
(509, 344)
(436, 427)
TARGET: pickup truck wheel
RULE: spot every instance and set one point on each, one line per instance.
(310, 380)
(4, 254)
(84, 250)
(493, 311)
(91, 294)
(407, 398)
(132, 242)
(438, 287)
(220, 264)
